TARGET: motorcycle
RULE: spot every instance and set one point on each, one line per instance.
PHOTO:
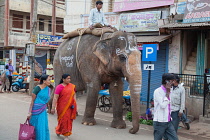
(16, 86)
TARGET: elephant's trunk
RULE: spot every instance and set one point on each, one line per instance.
(135, 82)
(135, 89)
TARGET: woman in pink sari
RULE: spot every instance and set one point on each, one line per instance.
(65, 100)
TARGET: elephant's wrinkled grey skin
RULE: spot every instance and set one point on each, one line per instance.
(100, 62)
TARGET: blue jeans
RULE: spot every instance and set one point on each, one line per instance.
(175, 119)
(164, 128)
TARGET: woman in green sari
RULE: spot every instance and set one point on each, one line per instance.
(37, 111)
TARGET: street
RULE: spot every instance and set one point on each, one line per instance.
(14, 108)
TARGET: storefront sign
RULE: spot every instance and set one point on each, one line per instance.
(112, 19)
(181, 6)
(136, 22)
(17, 39)
(197, 11)
(48, 40)
(127, 5)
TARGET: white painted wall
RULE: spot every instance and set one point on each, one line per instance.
(43, 7)
(174, 54)
(74, 10)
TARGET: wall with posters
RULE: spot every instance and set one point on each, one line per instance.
(141, 21)
(181, 6)
(48, 40)
(127, 5)
(197, 11)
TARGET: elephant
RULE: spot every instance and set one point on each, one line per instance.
(94, 62)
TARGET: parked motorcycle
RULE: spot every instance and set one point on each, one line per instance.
(16, 86)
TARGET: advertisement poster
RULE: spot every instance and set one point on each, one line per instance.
(137, 22)
(181, 6)
(197, 11)
(48, 40)
(127, 5)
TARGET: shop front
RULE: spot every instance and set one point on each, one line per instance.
(160, 66)
(145, 26)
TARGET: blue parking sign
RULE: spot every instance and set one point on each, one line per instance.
(149, 52)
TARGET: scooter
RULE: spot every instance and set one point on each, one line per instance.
(16, 86)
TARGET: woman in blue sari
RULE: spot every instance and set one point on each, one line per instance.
(37, 111)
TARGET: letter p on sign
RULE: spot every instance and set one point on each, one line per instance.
(149, 52)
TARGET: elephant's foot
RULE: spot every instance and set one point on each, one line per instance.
(89, 121)
(119, 124)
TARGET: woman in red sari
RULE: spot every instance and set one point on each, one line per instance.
(65, 100)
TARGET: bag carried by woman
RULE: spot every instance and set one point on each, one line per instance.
(26, 131)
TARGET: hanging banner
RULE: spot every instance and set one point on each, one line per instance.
(48, 40)
(127, 5)
(197, 11)
(181, 6)
(137, 22)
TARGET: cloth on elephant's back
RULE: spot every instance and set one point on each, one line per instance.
(82, 31)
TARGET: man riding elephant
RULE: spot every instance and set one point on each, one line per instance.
(93, 62)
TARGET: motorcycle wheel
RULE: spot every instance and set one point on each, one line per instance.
(15, 88)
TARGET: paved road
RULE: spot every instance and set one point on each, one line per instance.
(14, 108)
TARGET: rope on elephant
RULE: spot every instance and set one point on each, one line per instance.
(81, 32)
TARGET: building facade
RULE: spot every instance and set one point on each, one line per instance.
(16, 29)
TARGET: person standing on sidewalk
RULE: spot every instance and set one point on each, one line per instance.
(37, 111)
(162, 110)
(5, 79)
(178, 103)
(11, 70)
(65, 98)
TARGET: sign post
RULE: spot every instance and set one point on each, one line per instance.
(149, 54)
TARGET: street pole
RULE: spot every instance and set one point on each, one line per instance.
(148, 90)
(34, 4)
(54, 17)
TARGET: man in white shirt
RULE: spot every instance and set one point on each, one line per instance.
(162, 110)
(97, 16)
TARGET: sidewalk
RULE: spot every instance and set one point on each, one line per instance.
(197, 130)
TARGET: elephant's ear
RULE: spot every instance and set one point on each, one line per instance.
(102, 51)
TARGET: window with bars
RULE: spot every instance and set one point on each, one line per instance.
(41, 24)
(17, 21)
(27, 22)
(59, 25)
(93, 4)
(110, 5)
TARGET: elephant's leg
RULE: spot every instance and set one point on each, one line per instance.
(91, 102)
(116, 91)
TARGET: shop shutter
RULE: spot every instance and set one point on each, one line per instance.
(161, 66)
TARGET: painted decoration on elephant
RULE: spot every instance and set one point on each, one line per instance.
(68, 60)
(142, 21)
(197, 11)
(127, 5)
(128, 49)
(71, 43)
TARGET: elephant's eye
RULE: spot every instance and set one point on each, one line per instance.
(122, 57)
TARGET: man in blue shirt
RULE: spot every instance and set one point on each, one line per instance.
(11, 70)
(97, 16)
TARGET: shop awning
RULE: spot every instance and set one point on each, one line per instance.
(148, 39)
(184, 25)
